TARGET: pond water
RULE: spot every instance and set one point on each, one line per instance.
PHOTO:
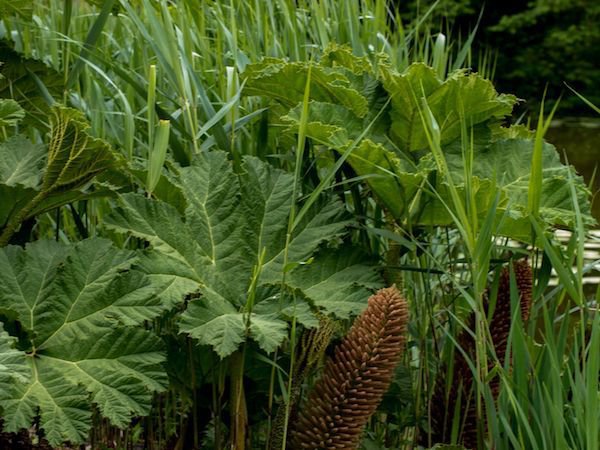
(579, 139)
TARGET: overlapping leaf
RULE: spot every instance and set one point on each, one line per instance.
(286, 82)
(234, 228)
(30, 82)
(21, 162)
(79, 306)
(394, 158)
(37, 179)
(12, 364)
(10, 113)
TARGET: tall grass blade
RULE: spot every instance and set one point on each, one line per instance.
(90, 41)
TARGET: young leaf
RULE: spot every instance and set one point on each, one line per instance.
(394, 157)
(287, 81)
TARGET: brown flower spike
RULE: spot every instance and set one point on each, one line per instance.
(356, 378)
(462, 378)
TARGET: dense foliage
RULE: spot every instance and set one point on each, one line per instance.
(387, 121)
(537, 45)
(197, 200)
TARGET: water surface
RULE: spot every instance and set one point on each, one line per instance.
(579, 140)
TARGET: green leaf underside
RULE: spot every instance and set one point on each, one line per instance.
(37, 179)
(215, 246)
(80, 305)
(74, 157)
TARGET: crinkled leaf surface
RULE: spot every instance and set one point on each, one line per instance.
(22, 79)
(21, 162)
(12, 362)
(79, 305)
(37, 179)
(74, 157)
(215, 322)
(394, 158)
(406, 90)
(335, 282)
(234, 227)
(287, 81)
(10, 113)
(288, 304)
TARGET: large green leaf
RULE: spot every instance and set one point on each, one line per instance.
(28, 278)
(266, 206)
(394, 156)
(62, 406)
(30, 82)
(336, 281)
(234, 231)
(36, 179)
(21, 162)
(213, 216)
(74, 157)
(219, 324)
(10, 113)
(12, 364)
(216, 322)
(286, 82)
(79, 305)
(406, 90)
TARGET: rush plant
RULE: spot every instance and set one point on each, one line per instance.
(186, 239)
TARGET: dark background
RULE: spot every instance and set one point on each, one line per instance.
(537, 44)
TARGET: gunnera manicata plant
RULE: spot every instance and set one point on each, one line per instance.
(355, 378)
(460, 391)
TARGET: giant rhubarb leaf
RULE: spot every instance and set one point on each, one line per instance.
(10, 113)
(37, 179)
(30, 82)
(79, 306)
(234, 231)
(287, 81)
(394, 156)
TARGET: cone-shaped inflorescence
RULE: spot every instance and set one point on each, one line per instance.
(355, 378)
(460, 395)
